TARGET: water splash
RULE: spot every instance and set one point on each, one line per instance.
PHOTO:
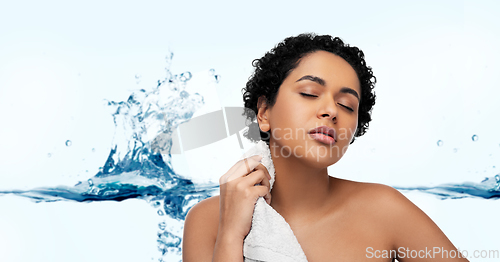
(489, 188)
(136, 169)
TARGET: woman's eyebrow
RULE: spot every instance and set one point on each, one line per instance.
(322, 82)
(351, 91)
(313, 78)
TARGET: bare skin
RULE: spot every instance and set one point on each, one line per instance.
(333, 219)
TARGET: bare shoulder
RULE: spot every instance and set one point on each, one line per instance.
(207, 208)
(200, 230)
(405, 225)
(385, 203)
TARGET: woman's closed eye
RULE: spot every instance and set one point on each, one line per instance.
(344, 106)
(308, 95)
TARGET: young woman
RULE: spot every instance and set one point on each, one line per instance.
(311, 96)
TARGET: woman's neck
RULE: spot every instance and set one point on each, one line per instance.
(300, 192)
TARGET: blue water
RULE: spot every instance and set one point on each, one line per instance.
(138, 167)
(489, 188)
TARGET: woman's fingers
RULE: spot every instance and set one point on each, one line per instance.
(258, 176)
(262, 191)
(263, 168)
(235, 166)
(259, 179)
(241, 168)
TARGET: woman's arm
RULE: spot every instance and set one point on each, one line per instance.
(215, 228)
(200, 231)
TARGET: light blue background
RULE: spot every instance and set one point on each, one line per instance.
(436, 63)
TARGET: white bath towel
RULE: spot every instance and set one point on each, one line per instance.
(270, 237)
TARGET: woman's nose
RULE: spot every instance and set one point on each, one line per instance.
(327, 109)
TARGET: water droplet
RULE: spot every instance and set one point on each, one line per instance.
(497, 177)
(93, 150)
(455, 150)
(137, 76)
(162, 225)
(91, 183)
(211, 72)
(440, 142)
(49, 155)
(185, 76)
(169, 56)
(184, 94)
(68, 142)
(160, 213)
(475, 138)
(217, 78)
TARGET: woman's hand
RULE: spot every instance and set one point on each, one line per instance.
(240, 188)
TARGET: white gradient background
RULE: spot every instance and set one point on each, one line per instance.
(436, 63)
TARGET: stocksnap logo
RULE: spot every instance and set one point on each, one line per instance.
(204, 130)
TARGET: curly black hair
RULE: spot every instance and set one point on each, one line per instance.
(272, 69)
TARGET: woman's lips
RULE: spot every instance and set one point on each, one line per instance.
(325, 139)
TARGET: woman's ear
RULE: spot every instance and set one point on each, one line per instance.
(262, 114)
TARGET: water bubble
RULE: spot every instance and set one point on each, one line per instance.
(93, 150)
(184, 94)
(162, 225)
(138, 78)
(440, 142)
(68, 143)
(185, 76)
(91, 183)
(160, 213)
(217, 78)
(475, 138)
(211, 72)
(455, 150)
(49, 155)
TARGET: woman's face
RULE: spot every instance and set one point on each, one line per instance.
(323, 90)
